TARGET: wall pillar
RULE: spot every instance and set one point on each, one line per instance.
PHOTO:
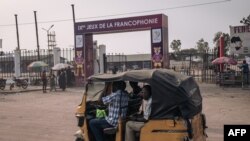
(102, 50)
(57, 55)
(96, 58)
(17, 61)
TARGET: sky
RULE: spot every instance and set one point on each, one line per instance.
(189, 21)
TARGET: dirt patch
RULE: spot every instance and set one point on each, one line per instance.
(224, 106)
(37, 116)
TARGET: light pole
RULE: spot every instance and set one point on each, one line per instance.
(49, 50)
(47, 30)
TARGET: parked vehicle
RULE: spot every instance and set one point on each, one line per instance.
(176, 106)
(19, 82)
(2, 83)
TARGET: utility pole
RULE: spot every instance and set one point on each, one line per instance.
(37, 39)
(17, 33)
(17, 58)
(74, 21)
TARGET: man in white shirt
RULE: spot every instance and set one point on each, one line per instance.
(133, 126)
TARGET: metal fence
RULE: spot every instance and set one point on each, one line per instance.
(7, 64)
(193, 64)
(197, 65)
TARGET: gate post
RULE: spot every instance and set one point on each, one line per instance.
(57, 55)
(95, 58)
(17, 61)
(102, 50)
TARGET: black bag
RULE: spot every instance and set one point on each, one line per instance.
(138, 117)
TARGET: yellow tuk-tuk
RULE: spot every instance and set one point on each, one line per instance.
(176, 113)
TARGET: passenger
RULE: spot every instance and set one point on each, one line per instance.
(118, 102)
(135, 89)
(132, 126)
(135, 99)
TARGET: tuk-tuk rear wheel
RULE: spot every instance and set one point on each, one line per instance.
(79, 139)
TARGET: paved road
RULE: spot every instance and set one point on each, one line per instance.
(37, 116)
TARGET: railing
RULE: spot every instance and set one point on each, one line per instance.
(7, 64)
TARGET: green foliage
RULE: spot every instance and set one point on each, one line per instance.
(202, 46)
(182, 54)
(216, 40)
(175, 45)
(189, 51)
(246, 21)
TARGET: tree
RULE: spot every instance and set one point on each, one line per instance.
(176, 45)
(246, 21)
(216, 40)
(182, 54)
(202, 46)
(189, 51)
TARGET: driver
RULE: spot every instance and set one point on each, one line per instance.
(118, 102)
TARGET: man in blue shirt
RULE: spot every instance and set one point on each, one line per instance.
(118, 102)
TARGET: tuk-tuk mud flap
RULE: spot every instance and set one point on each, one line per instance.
(170, 131)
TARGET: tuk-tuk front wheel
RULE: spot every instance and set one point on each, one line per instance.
(186, 139)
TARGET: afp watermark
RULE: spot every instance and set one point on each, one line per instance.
(236, 132)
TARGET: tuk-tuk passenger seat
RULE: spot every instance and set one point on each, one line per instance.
(110, 130)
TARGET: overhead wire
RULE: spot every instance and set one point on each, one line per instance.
(129, 13)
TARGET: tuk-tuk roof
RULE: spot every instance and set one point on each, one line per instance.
(135, 75)
(173, 94)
